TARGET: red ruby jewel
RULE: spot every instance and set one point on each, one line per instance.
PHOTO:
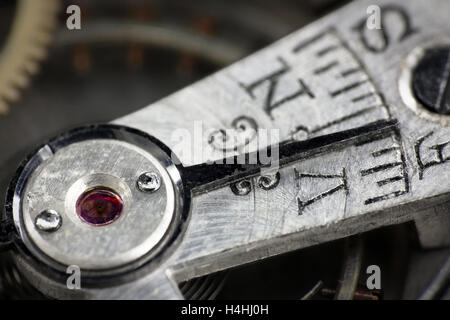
(99, 206)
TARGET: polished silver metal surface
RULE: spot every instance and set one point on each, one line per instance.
(65, 175)
(330, 76)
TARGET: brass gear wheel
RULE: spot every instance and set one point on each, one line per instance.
(25, 46)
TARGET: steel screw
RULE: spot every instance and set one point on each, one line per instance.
(431, 80)
(48, 221)
(149, 182)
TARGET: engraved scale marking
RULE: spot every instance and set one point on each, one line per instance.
(273, 79)
(302, 204)
(320, 49)
(389, 164)
(379, 168)
(353, 115)
(384, 151)
(327, 50)
(323, 68)
(438, 149)
(364, 96)
(347, 88)
(326, 68)
(351, 71)
(322, 46)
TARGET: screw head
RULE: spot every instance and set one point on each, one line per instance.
(48, 221)
(149, 182)
(431, 80)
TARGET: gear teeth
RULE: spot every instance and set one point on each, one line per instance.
(26, 45)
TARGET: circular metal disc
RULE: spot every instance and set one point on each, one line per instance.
(56, 180)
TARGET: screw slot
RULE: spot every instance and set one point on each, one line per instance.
(431, 80)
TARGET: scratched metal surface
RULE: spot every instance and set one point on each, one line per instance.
(324, 78)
